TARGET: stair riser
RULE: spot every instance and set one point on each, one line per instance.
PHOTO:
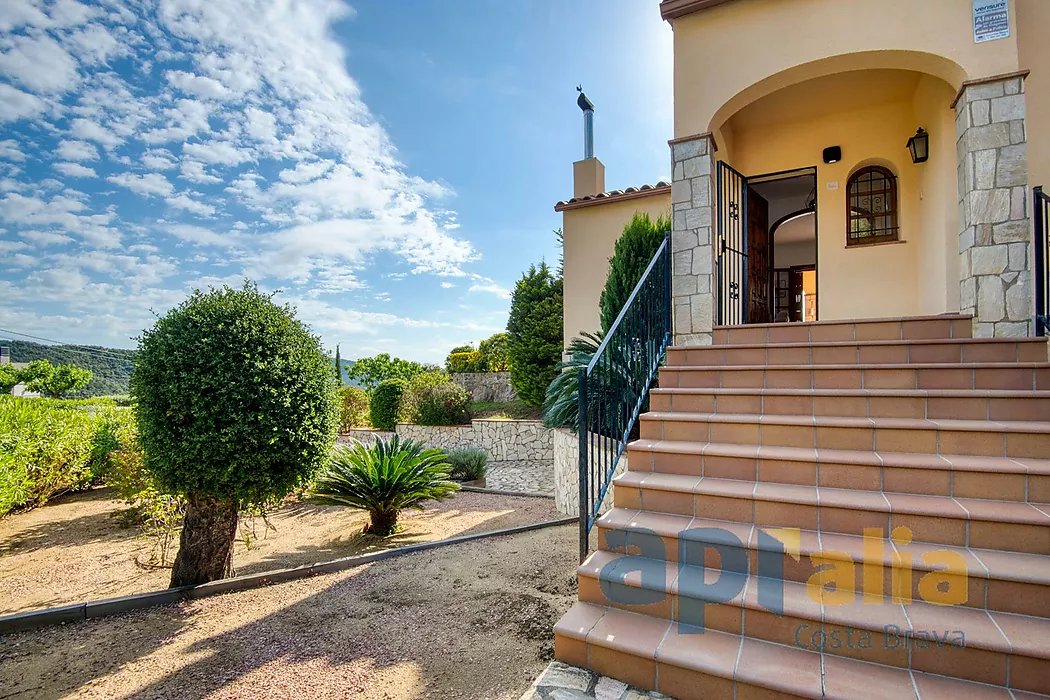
(1012, 486)
(988, 443)
(939, 353)
(913, 329)
(991, 594)
(959, 532)
(883, 642)
(947, 408)
(865, 377)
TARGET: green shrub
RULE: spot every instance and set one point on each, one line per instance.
(634, 250)
(468, 463)
(494, 351)
(370, 372)
(472, 361)
(461, 348)
(9, 378)
(54, 381)
(408, 408)
(353, 412)
(445, 404)
(535, 333)
(386, 397)
(237, 406)
(384, 479)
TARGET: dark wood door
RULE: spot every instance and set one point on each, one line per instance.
(795, 308)
(758, 268)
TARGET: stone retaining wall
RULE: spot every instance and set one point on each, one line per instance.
(567, 471)
(501, 439)
(487, 386)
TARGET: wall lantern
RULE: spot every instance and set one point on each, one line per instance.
(919, 145)
(832, 154)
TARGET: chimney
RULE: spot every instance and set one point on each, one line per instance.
(588, 175)
(5, 355)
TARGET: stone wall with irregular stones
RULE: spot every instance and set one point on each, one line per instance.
(501, 439)
(691, 240)
(487, 386)
(567, 473)
(994, 244)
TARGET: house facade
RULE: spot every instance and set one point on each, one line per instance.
(795, 195)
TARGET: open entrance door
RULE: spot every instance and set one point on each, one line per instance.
(759, 270)
(743, 270)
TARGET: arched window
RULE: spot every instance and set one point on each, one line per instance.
(872, 200)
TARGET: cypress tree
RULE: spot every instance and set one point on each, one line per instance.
(338, 365)
(535, 330)
(634, 249)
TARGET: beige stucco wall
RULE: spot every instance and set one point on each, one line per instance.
(590, 233)
(1033, 44)
(881, 280)
(732, 54)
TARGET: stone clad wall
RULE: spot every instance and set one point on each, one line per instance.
(994, 244)
(502, 439)
(567, 471)
(487, 386)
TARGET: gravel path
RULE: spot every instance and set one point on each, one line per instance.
(466, 621)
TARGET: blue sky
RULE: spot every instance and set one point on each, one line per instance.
(390, 166)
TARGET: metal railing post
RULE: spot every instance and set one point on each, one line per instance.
(1039, 206)
(585, 506)
(669, 270)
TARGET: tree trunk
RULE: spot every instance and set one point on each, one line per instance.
(206, 545)
(383, 522)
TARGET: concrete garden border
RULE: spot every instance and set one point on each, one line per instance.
(112, 606)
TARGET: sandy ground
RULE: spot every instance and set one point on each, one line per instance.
(83, 533)
(465, 621)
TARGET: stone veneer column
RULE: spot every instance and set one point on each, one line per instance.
(994, 244)
(692, 195)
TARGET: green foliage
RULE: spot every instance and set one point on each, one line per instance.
(561, 407)
(494, 350)
(338, 369)
(386, 397)
(235, 398)
(535, 333)
(370, 372)
(110, 367)
(461, 348)
(384, 479)
(506, 410)
(354, 408)
(472, 361)
(9, 377)
(634, 250)
(408, 408)
(48, 447)
(468, 463)
(54, 382)
(444, 404)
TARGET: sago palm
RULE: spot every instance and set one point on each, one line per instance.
(384, 479)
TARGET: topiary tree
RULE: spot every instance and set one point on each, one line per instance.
(353, 410)
(384, 402)
(494, 350)
(236, 407)
(535, 333)
(634, 250)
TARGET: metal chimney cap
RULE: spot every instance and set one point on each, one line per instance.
(585, 104)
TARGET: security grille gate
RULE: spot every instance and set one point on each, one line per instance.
(731, 270)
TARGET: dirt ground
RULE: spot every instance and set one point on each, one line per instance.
(469, 620)
(77, 548)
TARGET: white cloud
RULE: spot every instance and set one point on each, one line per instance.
(90, 131)
(9, 149)
(15, 104)
(194, 172)
(19, 13)
(447, 285)
(39, 64)
(199, 85)
(216, 152)
(147, 185)
(499, 291)
(74, 170)
(45, 238)
(77, 150)
(94, 44)
(187, 203)
(159, 159)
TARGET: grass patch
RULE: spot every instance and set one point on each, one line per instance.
(511, 410)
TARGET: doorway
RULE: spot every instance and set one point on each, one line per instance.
(766, 266)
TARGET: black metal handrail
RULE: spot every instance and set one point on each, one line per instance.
(1041, 214)
(614, 387)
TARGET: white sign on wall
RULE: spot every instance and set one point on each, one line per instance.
(991, 20)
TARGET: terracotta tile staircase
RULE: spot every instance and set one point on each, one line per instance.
(904, 426)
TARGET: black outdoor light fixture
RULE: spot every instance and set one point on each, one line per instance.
(919, 145)
(832, 154)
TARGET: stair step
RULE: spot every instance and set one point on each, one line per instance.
(692, 665)
(913, 327)
(938, 351)
(869, 628)
(1006, 525)
(959, 404)
(999, 376)
(962, 476)
(979, 438)
(1004, 581)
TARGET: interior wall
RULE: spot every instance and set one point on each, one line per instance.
(590, 234)
(792, 253)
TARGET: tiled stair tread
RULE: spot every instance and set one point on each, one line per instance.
(889, 502)
(757, 663)
(844, 343)
(983, 629)
(854, 321)
(994, 564)
(865, 393)
(862, 365)
(1040, 427)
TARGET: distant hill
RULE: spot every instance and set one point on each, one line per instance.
(111, 366)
